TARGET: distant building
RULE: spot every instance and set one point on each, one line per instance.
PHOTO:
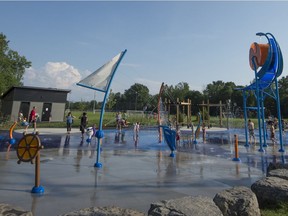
(49, 102)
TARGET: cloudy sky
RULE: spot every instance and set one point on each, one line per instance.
(167, 41)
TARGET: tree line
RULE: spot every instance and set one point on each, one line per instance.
(138, 97)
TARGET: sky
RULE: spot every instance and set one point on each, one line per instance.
(196, 42)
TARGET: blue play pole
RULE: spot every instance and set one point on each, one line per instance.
(245, 118)
(279, 117)
(263, 119)
(258, 105)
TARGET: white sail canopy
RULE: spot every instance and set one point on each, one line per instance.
(100, 79)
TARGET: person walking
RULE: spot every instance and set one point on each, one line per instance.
(83, 123)
(69, 122)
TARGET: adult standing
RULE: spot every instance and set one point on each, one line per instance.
(32, 118)
(83, 123)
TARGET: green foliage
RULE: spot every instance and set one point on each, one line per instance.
(279, 209)
(12, 66)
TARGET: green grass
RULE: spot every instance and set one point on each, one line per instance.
(109, 121)
(280, 209)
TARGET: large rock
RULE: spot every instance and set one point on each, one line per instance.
(237, 201)
(280, 173)
(270, 190)
(274, 166)
(6, 209)
(186, 206)
(104, 211)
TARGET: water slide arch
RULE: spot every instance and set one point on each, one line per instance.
(267, 63)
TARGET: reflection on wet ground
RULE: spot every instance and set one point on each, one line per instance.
(137, 170)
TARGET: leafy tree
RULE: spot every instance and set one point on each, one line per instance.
(111, 100)
(283, 92)
(137, 96)
(12, 66)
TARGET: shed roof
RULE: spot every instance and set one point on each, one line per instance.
(34, 88)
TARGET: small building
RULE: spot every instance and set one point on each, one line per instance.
(49, 102)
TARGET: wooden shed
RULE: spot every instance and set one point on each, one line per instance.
(49, 102)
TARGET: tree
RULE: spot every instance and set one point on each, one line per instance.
(111, 100)
(283, 93)
(137, 96)
(12, 66)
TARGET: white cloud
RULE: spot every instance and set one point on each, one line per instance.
(59, 75)
(53, 74)
(64, 76)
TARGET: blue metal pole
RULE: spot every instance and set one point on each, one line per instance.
(263, 119)
(279, 117)
(245, 117)
(258, 105)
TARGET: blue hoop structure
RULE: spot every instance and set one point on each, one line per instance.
(262, 87)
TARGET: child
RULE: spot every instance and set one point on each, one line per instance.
(89, 132)
(272, 133)
(251, 131)
(83, 123)
(94, 130)
(136, 133)
(69, 121)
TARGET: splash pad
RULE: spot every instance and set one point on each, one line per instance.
(144, 170)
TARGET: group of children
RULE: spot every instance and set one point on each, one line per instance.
(91, 131)
(272, 124)
(33, 116)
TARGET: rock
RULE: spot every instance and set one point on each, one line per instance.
(186, 206)
(274, 166)
(280, 173)
(6, 209)
(237, 201)
(270, 190)
(104, 211)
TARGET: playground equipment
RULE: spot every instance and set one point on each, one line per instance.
(267, 63)
(236, 149)
(159, 113)
(12, 141)
(28, 149)
(89, 133)
(207, 106)
(100, 80)
(197, 131)
(170, 138)
(168, 104)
